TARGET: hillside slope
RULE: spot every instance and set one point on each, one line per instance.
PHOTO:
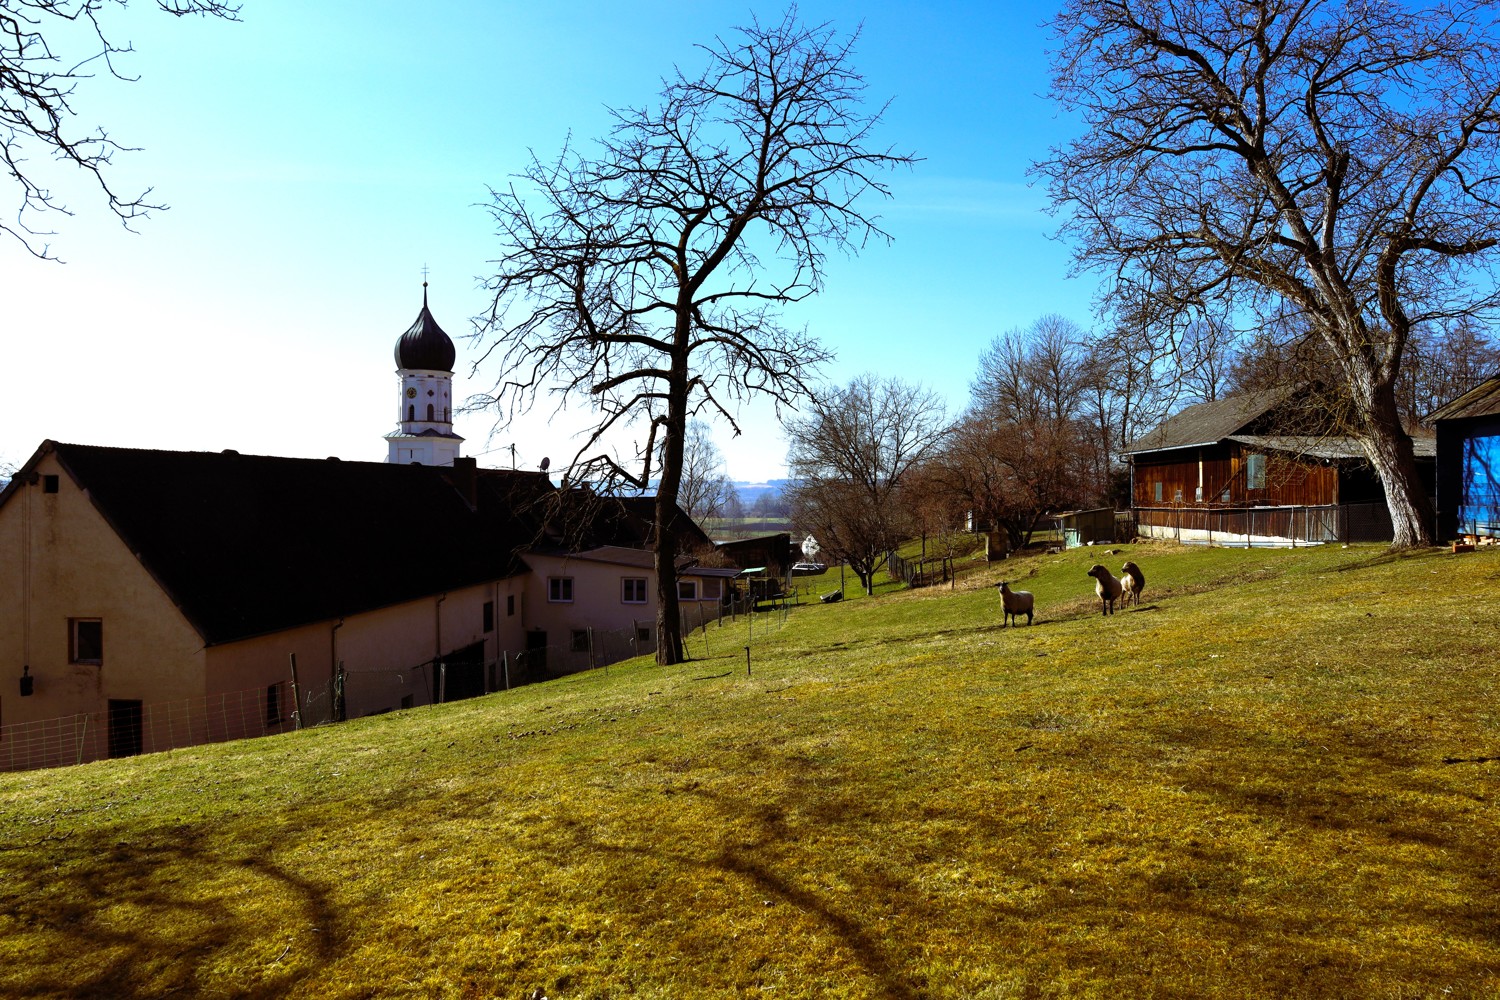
(1277, 777)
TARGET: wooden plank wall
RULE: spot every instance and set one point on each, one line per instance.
(1289, 481)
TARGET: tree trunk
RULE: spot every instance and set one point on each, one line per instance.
(669, 648)
(1389, 449)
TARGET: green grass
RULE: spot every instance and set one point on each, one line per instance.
(1274, 778)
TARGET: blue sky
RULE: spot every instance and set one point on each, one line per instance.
(318, 155)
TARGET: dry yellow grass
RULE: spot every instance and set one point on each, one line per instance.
(1277, 777)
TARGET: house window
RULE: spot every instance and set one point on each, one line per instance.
(633, 590)
(711, 589)
(489, 617)
(273, 704)
(1158, 491)
(49, 484)
(85, 640)
(1255, 472)
(580, 640)
(642, 633)
(429, 411)
(411, 411)
(1177, 496)
(560, 589)
(510, 605)
(687, 590)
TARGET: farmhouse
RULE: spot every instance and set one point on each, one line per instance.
(1468, 463)
(1259, 469)
(157, 599)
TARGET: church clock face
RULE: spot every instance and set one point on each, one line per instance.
(411, 393)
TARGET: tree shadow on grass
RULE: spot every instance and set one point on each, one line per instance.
(88, 915)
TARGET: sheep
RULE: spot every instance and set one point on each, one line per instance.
(1016, 602)
(1133, 582)
(1107, 587)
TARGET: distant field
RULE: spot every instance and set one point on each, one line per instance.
(1277, 777)
(722, 528)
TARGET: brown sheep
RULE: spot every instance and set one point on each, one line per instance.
(1133, 582)
(1107, 587)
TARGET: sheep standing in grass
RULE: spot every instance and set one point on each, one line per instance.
(1016, 602)
(1107, 587)
(1133, 582)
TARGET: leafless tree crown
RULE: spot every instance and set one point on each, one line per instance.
(658, 263)
(40, 72)
(850, 458)
(648, 275)
(1337, 159)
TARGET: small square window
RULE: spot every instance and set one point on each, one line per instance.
(49, 484)
(85, 640)
(642, 634)
(633, 590)
(687, 590)
(560, 589)
(489, 617)
(1255, 472)
(580, 640)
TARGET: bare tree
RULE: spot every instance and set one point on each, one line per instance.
(850, 458)
(1010, 474)
(1339, 158)
(650, 277)
(47, 49)
(1037, 435)
(706, 491)
(1444, 364)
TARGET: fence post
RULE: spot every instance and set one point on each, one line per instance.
(296, 695)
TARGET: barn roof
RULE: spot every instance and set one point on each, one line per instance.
(246, 545)
(1209, 423)
(1328, 447)
(1481, 401)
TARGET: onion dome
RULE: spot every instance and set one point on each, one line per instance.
(425, 345)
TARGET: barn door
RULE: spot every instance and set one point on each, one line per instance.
(124, 728)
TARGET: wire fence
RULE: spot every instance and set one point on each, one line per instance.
(129, 727)
(126, 727)
(929, 572)
(1268, 527)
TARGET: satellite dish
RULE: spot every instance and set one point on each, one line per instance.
(546, 462)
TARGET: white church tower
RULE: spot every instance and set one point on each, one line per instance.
(424, 363)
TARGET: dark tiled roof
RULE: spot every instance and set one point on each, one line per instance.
(1208, 423)
(1329, 447)
(1481, 401)
(246, 545)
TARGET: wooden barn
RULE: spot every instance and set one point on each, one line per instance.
(1468, 463)
(1258, 469)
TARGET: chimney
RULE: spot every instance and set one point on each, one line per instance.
(466, 479)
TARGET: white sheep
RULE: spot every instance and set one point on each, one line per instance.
(1133, 582)
(1016, 602)
(1107, 587)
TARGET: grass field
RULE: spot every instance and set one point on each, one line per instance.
(1276, 778)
